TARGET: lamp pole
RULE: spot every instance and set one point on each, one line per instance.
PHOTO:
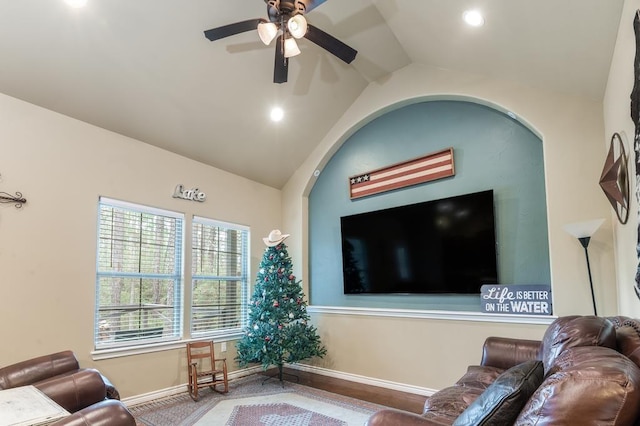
(585, 243)
(583, 232)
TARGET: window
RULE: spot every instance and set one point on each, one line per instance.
(139, 275)
(139, 279)
(219, 271)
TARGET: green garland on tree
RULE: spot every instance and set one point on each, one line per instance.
(278, 330)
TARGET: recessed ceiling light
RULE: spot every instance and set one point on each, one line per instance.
(473, 18)
(277, 114)
(76, 3)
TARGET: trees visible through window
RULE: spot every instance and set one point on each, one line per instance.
(219, 277)
(139, 274)
(140, 297)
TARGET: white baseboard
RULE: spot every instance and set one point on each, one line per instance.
(176, 390)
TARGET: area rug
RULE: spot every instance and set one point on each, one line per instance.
(254, 401)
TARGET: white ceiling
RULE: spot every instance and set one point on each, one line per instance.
(144, 69)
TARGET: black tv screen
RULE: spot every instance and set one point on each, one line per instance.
(441, 246)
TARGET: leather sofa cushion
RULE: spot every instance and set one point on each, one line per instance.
(572, 331)
(628, 337)
(37, 369)
(104, 413)
(74, 391)
(589, 385)
(503, 400)
(479, 376)
(446, 405)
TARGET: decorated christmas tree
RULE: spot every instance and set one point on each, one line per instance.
(278, 329)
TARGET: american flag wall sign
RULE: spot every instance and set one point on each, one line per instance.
(434, 166)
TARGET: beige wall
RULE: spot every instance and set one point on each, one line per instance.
(430, 354)
(572, 133)
(617, 118)
(47, 248)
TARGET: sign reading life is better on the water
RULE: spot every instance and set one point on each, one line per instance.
(516, 299)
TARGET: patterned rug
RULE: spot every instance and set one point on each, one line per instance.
(254, 401)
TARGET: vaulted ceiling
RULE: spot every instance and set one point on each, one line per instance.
(144, 69)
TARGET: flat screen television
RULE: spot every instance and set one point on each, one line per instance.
(441, 246)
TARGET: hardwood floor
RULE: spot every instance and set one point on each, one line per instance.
(388, 397)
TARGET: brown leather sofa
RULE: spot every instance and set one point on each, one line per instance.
(84, 392)
(585, 371)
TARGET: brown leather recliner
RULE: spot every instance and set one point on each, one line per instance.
(584, 371)
(85, 392)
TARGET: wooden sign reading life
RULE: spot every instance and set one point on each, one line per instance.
(434, 166)
(516, 299)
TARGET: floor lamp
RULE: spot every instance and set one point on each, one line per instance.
(583, 232)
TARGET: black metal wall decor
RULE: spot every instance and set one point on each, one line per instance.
(635, 116)
(17, 200)
(614, 180)
(6, 198)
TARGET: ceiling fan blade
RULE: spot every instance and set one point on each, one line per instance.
(331, 44)
(281, 65)
(232, 29)
(311, 4)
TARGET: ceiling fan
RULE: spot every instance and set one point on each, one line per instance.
(286, 17)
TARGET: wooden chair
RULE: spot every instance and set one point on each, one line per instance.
(204, 369)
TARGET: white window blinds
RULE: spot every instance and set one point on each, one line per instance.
(139, 274)
(220, 259)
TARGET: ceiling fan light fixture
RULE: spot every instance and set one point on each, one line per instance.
(291, 48)
(297, 26)
(267, 31)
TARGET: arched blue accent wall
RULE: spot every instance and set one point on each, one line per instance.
(491, 151)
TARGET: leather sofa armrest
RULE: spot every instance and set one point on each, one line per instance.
(37, 369)
(389, 417)
(112, 392)
(105, 413)
(75, 391)
(504, 352)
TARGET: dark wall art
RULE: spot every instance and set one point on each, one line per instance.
(635, 116)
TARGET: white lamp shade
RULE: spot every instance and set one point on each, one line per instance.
(583, 229)
(297, 26)
(267, 31)
(291, 48)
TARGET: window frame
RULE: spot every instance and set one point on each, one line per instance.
(144, 337)
(183, 308)
(243, 278)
